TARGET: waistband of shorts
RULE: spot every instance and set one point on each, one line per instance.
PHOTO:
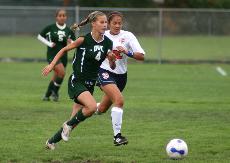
(114, 74)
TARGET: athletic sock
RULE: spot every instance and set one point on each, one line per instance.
(49, 89)
(57, 137)
(116, 114)
(57, 83)
(77, 118)
(97, 112)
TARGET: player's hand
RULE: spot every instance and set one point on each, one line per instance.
(112, 60)
(112, 57)
(46, 70)
(122, 49)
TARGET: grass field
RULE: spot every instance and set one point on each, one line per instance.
(180, 48)
(162, 102)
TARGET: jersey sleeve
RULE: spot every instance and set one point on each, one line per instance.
(134, 44)
(45, 31)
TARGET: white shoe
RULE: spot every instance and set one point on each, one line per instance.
(50, 146)
(66, 132)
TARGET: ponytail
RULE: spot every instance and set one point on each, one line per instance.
(90, 18)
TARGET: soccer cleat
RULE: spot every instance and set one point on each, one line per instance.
(45, 98)
(50, 146)
(55, 96)
(66, 132)
(120, 140)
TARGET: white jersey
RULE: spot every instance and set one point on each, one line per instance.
(128, 41)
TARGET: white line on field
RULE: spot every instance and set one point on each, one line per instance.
(221, 71)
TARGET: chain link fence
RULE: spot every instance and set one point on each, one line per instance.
(165, 34)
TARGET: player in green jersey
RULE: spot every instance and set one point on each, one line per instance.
(56, 36)
(91, 51)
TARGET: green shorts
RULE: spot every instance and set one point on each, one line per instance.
(76, 87)
(62, 60)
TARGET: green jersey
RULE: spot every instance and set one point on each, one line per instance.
(59, 36)
(89, 56)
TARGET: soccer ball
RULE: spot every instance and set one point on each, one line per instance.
(177, 149)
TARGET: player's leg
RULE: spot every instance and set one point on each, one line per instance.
(89, 107)
(113, 93)
(50, 88)
(76, 107)
(104, 105)
(89, 103)
(59, 70)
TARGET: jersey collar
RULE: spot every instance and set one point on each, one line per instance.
(96, 40)
(61, 26)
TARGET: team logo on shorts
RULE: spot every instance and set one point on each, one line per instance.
(105, 75)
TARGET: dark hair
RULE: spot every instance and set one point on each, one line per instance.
(112, 14)
(58, 10)
(92, 17)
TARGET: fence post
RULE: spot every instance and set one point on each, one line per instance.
(159, 51)
(77, 16)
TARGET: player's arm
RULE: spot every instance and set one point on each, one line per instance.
(46, 42)
(136, 55)
(42, 37)
(63, 51)
(112, 58)
(136, 51)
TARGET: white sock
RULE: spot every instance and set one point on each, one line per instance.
(97, 112)
(116, 114)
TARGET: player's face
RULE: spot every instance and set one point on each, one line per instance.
(61, 17)
(115, 25)
(100, 24)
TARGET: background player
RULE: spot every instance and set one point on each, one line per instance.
(92, 49)
(56, 36)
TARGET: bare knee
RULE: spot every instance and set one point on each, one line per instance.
(119, 102)
(61, 74)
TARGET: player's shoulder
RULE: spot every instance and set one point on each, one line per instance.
(87, 36)
(50, 26)
(126, 33)
(107, 39)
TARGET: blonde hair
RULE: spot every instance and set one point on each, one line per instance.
(92, 17)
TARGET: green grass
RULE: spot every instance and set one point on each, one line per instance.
(162, 102)
(181, 47)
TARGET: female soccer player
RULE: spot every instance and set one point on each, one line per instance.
(91, 51)
(56, 36)
(113, 82)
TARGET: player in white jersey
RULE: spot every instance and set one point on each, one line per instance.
(112, 82)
